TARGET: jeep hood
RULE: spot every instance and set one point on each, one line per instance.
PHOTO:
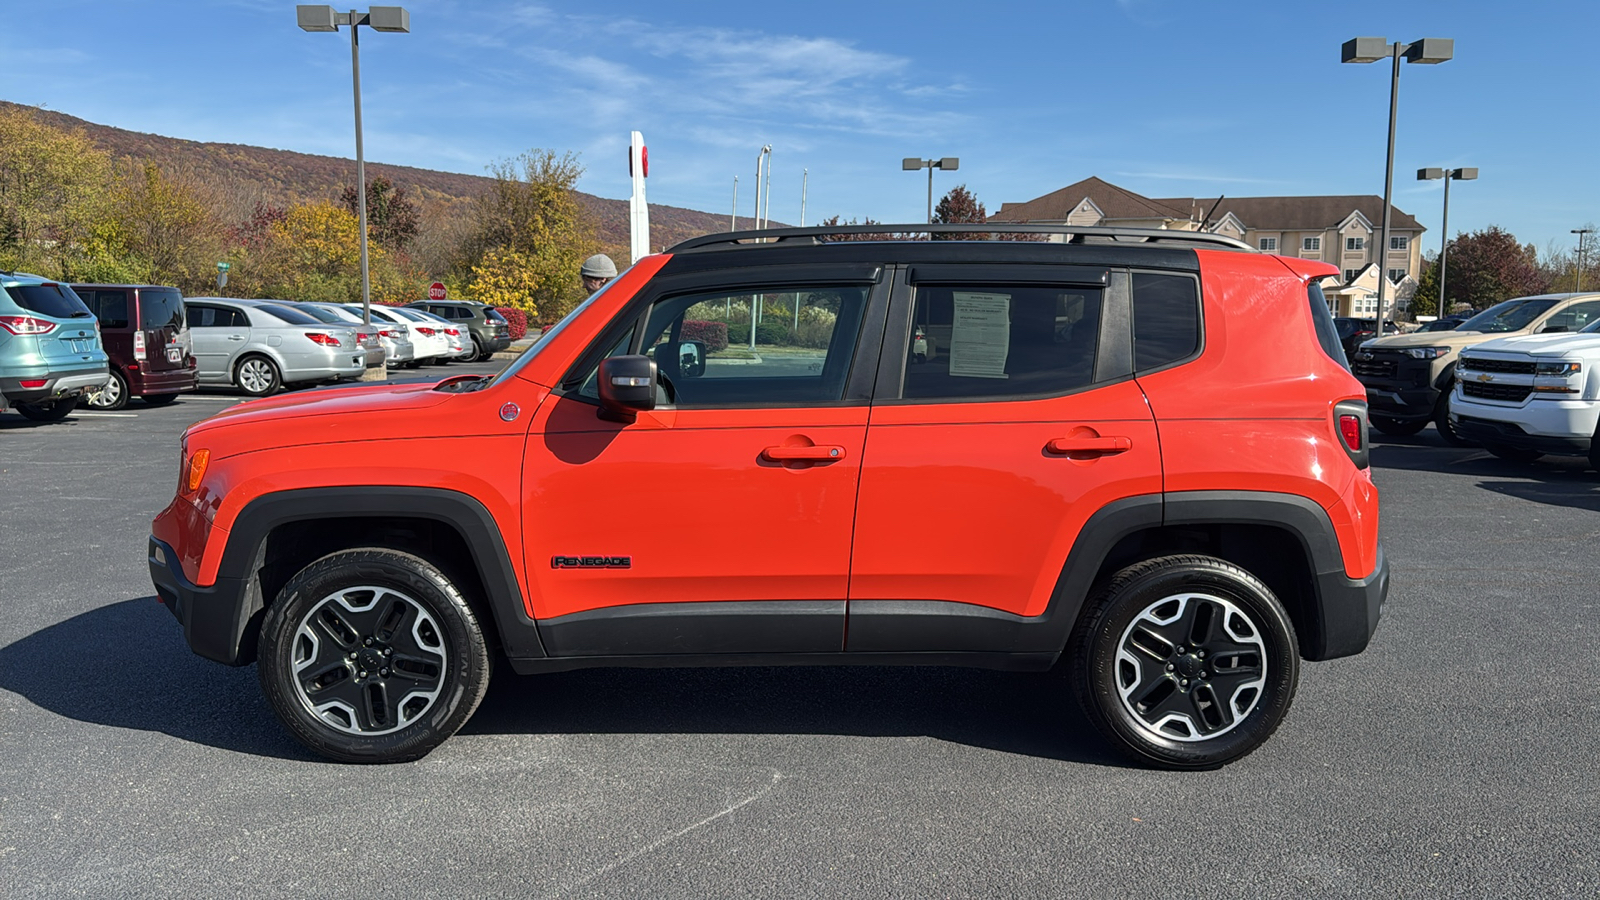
(317, 416)
(1565, 344)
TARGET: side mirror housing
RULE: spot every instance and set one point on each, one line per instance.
(627, 385)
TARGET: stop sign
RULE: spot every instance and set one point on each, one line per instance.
(436, 291)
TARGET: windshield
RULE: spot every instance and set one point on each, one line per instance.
(292, 316)
(54, 300)
(549, 333)
(1512, 315)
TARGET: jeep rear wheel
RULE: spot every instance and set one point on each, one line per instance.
(1185, 662)
(372, 655)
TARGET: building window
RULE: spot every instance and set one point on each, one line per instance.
(1355, 243)
(1269, 244)
(1397, 275)
(1351, 275)
(1399, 243)
(1311, 243)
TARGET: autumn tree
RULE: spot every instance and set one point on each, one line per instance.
(392, 218)
(53, 189)
(1482, 268)
(836, 221)
(530, 210)
(166, 221)
(960, 207)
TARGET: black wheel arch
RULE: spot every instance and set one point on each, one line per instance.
(278, 534)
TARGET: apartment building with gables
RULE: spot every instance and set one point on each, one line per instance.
(1343, 230)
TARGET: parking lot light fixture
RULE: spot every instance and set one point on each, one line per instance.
(913, 163)
(1428, 51)
(1448, 175)
(378, 18)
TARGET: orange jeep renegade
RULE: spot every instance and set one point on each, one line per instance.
(1135, 453)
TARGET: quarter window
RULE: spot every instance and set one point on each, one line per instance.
(1166, 319)
(987, 340)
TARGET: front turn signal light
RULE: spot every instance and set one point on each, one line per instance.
(196, 470)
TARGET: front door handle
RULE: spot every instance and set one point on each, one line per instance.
(818, 453)
(1113, 444)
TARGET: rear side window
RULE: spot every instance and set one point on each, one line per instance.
(54, 300)
(1001, 340)
(160, 309)
(1327, 331)
(292, 316)
(1166, 319)
(110, 307)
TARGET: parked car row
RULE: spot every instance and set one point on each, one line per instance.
(1511, 378)
(106, 344)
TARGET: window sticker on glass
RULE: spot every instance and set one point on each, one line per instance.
(980, 337)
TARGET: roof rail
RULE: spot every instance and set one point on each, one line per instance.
(1076, 234)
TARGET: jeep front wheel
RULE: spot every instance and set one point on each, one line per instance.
(372, 655)
(1185, 662)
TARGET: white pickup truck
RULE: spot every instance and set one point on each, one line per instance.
(1524, 397)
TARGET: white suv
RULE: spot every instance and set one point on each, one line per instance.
(1524, 397)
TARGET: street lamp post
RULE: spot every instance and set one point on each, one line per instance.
(912, 164)
(378, 18)
(1428, 51)
(1581, 233)
(1448, 175)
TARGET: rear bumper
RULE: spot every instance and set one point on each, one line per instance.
(1350, 608)
(213, 618)
(348, 364)
(142, 382)
(57, 383)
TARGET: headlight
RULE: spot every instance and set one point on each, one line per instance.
(1426, 352)
(1559, 369)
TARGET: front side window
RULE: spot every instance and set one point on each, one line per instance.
(1311, 243)
(1574, 318)
(985, 340)
(798, 355)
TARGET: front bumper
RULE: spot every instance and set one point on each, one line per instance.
(1350, 608)
(1398, 386)
(1511, 434)
(213, 618)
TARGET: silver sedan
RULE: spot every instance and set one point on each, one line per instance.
(259, 346)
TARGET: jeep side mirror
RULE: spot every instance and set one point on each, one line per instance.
(684, 359)
(627, 385)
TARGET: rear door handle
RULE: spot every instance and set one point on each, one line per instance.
(818, 453)
(1114, 444)
(235, 337)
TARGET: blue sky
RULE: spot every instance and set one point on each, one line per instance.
(1164, 97)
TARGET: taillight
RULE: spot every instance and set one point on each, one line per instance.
(1350, 430)
(326, 340)
(26, 325)
(387, 334)
(453, 332)
(138, 345)
(1350, 416)
(425, 332)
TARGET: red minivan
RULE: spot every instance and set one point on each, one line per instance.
(144, 332)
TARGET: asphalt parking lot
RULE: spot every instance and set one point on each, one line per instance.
(1455, 758)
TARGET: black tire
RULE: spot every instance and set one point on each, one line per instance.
(257, 376)
(1441, 421)
(113, 396)
(354, 610)
(478, 352)
(1398, 427)
(1514, 454)
(158, 399)
(48, 410)
(1234, 634)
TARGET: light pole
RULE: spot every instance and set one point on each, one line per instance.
(1581, 233)
(1448, 175)
(912, 164)
(733, 216)
(805, 182)
(379, 18)
(762, 159)
(1429, 51)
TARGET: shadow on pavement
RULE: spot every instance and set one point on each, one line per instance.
(126, 666)
(1577, 493)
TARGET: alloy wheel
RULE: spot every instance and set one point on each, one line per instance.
(368, 660)
(255, 376)
(1190, 667)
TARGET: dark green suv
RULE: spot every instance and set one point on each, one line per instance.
(490, 331)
